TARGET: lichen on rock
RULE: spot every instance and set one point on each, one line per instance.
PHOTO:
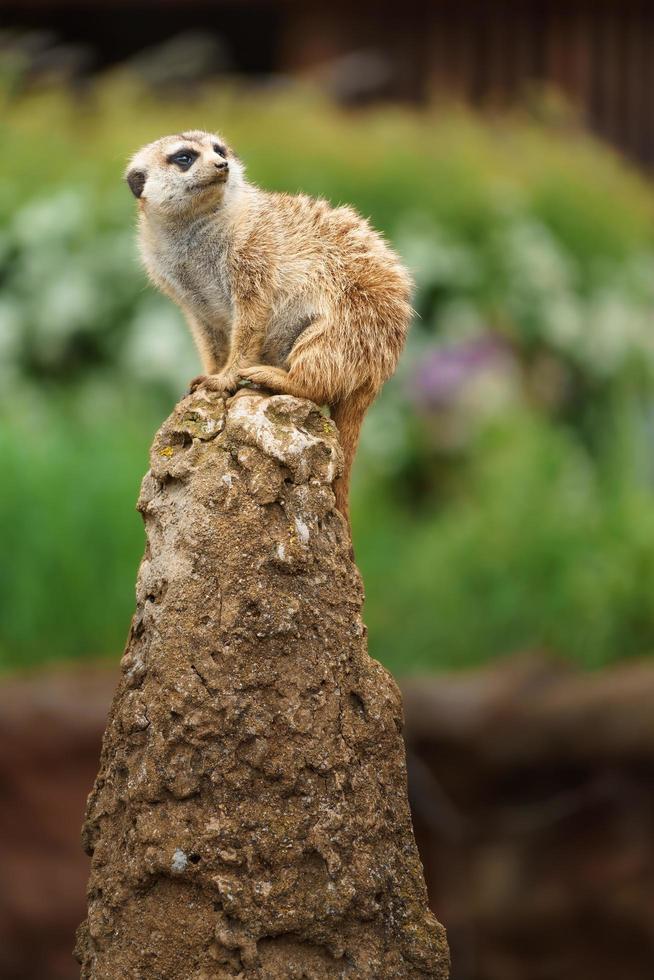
(250, 816)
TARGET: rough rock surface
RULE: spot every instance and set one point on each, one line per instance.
(250, 817)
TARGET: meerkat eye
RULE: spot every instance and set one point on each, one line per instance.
(220, 150)
(183, 159)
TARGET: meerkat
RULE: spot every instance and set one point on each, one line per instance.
(283, 291)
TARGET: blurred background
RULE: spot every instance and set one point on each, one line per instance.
(503, 506)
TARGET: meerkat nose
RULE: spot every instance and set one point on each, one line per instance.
(223, 165)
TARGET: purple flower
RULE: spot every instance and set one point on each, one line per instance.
(444, 371)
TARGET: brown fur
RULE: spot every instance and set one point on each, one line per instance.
(284, 291)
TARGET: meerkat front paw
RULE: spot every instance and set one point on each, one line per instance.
(224, 381)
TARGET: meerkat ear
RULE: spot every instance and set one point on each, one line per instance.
(136, 181)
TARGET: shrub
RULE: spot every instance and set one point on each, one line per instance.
(502, 495)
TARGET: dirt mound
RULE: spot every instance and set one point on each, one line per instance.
(250, 818)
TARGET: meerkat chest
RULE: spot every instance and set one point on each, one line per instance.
(194, 269)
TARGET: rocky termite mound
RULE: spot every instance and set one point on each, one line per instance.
(250, 816)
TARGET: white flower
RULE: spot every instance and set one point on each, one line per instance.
(563, 322)
(535, 260)
(55, 217)
(159, 347)
(461, 320)
(69, 300)
(11, 326)
(433, 257)
(610, 331)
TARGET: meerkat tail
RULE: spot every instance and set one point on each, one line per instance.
(348, 414)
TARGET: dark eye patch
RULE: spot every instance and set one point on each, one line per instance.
(184, 159)
(220, 150)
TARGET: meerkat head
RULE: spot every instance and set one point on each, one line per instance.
(189, 172)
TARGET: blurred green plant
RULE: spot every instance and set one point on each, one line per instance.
(503, 494)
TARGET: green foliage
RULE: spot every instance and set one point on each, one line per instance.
(71, 536)
(538, 549)
(503, 495)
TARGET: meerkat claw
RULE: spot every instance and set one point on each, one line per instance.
(196, 382)
(225, 382)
